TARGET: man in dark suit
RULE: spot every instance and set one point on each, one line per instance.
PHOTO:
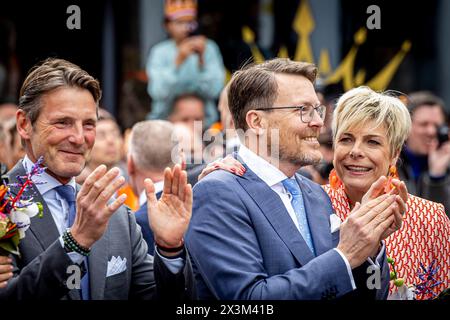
(82, 228)
(153, 147)
(271, 233)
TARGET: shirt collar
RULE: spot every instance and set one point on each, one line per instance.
(158, 188)
(49, 182)
(270, 174)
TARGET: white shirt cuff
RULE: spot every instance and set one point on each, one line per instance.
(174, 265)
(379, 257)
(349, 269)
(74, 256)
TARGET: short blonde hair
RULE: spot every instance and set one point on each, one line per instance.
(361, 105)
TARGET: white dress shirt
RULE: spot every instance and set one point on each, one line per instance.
(158, 188)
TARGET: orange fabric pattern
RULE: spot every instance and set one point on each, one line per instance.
(132, 200)
(424, 237)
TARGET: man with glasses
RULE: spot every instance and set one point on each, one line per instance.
(270, 233)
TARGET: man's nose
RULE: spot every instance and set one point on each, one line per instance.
(316, 120)
(431, 130)
(77, 134)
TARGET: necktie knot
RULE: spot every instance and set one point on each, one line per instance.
(291, 186)
(66, 192)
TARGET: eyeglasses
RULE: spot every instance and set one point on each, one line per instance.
(306, 112)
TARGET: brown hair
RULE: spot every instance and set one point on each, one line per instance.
(425, 99)
(255, 86)
(52, 74)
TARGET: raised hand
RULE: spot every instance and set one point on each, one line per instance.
(439, 159)
(169, 217)
(401, 192)
(93, 210)
(5, 271)
(362, 231)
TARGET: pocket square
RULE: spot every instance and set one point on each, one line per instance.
(116, 265)
(335, 223)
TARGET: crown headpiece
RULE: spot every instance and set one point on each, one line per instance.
(176, 9)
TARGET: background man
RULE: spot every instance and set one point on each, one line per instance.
(424, 164)
(153, 147)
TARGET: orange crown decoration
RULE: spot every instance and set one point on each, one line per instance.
(176, 9)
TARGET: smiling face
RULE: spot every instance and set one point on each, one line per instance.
(361, 155)
(425, 121)
(298, 144)
(64, 132)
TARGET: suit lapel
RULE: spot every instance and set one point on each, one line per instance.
(43, 228)
(273, 208)
(318, 218)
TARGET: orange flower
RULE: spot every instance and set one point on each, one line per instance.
(333, 179)
(392, 175)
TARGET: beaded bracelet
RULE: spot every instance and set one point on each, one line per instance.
(171, 250)
(73, 245)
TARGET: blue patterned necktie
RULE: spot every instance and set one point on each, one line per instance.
(293, 188)
(68, 193)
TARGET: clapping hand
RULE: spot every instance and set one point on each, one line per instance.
(401, 193)
(169, 217)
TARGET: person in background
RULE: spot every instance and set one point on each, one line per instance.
(5, 146)
(108, 150)
(16, 147)
(425, 162)
(153, 148)
(188, 109)
(7, 111)
(185, 63)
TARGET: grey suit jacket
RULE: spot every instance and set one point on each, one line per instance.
(41, 271)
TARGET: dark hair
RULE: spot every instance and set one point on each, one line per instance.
(255, 86)
(425, 99)
(52, 74)
(183, 96)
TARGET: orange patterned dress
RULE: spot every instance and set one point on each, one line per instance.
(424, 237)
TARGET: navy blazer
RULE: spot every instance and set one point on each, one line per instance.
(142, 220)
(244, 245)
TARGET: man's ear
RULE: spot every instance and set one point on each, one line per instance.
(130, 165)
(23, 125)
(255, 121)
